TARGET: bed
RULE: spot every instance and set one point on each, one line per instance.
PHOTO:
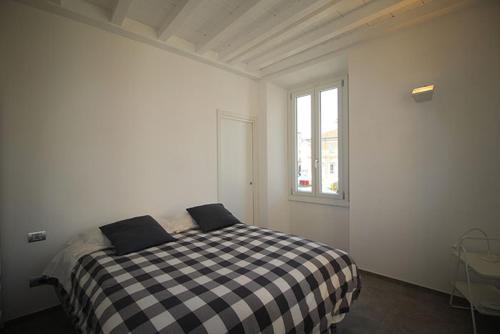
(238, 279)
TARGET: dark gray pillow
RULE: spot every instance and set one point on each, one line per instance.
(212, 217)
(135, 234)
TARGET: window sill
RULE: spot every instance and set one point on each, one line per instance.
(319, 200)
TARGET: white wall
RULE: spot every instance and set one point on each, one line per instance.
(275, 155)
(421, 174)
(328, 224)
(96, 128)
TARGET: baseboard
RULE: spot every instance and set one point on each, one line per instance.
(28, 316)
(407, 283)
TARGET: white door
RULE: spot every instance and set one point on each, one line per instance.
(235, 170)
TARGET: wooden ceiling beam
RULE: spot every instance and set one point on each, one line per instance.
(120, 11)
(228, 25)
(282, 20)
(350, 22)
(175, 21)
(296, 29)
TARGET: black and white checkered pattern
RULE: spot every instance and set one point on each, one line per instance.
(240, 279)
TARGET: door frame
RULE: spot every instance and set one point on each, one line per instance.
(252, 120)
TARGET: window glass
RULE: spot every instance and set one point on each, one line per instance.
(304, 145)
(329, 138)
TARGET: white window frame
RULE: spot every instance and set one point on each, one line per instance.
(316, 196)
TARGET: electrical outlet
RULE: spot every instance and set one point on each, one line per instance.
(37, 281)
(37, 236)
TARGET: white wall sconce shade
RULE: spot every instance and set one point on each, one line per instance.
(424, 93)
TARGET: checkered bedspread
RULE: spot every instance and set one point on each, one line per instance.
(240, 279)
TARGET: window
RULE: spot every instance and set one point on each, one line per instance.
(318, 132)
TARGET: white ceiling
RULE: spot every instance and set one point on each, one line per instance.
(269, 39)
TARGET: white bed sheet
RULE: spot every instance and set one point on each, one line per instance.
(62, 264)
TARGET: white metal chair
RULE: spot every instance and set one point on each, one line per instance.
(482, 297)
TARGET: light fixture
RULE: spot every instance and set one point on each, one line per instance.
(424, 93)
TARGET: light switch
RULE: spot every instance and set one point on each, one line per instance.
(37, 236)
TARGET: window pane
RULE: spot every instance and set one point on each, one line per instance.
(329, 141)
(304, 160)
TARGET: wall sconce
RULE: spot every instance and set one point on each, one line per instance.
(424, 93)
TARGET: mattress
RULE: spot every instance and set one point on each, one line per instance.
(240, 279)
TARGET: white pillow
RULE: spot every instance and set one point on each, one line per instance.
(92, 236)
(180, 223)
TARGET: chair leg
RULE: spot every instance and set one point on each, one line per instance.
(471, 297)
(473, 318)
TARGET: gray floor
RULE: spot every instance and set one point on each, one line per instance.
(385, 306)
(391, 307)
(51, 321)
